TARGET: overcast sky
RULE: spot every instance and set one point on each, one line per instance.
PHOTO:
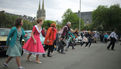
(54, 8)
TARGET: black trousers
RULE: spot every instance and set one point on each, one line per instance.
(112, 43)
(61, 45)
(60, 49)
(82, 43)
(87, 43)
(106, 40)
(71, 43)
(50, 49)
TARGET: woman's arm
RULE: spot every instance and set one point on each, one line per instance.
(23, 33)
(32, 34)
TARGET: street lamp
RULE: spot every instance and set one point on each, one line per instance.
(79, 14)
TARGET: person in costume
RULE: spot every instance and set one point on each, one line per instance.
(50, 38)
(34, 45)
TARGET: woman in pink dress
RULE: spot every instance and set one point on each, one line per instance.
(34, 45)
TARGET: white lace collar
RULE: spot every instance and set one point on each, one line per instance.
(38, 29)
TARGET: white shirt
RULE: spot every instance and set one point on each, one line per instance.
(113, 35)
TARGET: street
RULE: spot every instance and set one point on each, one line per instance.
(95, 57)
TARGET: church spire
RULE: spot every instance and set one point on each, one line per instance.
(39, 5)
(39, 10)
(43, 4)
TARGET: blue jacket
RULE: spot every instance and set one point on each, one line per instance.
(71, 36)
(13, 36)
(106, 36)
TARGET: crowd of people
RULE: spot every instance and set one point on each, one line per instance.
(50, 41)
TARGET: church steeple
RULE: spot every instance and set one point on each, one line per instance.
(39, 5)
(41, 11)
(43, 5)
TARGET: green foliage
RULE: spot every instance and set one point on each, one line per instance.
(73, 18)
(106, 19)
(28, 25)
(8, 21)
(47, 23)
(59, 26)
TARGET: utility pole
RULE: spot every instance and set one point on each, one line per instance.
(79, 14)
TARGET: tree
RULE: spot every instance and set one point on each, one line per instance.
(8, 21)
(27, 25)
(106, 19)
(47, 23)
(99, 17)
(115, 17)
(59, 26)
(73, 18)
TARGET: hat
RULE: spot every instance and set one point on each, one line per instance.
(53, 25)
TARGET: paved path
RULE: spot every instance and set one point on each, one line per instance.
(95, 57)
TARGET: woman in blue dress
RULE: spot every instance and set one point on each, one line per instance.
(14, 41)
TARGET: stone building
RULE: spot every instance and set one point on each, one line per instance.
(86, 17)
(41, 13)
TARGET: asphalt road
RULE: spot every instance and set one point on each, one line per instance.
(95, 57)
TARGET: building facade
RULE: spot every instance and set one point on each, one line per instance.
(86, 17)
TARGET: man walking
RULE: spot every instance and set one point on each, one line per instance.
(64, 36)
(113, 38)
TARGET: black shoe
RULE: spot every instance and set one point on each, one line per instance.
(49, 56)
(58, 51)
(113, 49)
(43, 55)
(63, 53)
(107, 48)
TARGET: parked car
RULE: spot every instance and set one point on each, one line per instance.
(3, 37)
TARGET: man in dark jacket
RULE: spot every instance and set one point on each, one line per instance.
(64, 36)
